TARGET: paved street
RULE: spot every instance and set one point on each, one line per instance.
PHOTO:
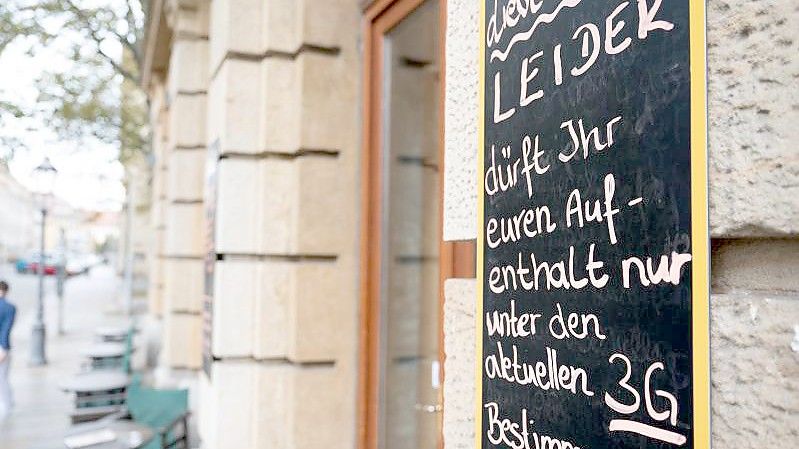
(40, 414)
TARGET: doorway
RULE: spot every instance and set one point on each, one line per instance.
(402, 251)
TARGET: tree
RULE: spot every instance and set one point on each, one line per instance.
(99, 94)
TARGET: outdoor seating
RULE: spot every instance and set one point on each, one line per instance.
(158, 418)
(113, 394)
(108, 433)
(102, 391)
(114, 334)
(106, 355)
(92, 414)
(164, 411)
(112, 354)
(97, 393)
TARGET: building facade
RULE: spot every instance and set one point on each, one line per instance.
(314, 213)
(18, 221)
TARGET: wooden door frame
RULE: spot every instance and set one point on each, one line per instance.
(380, 16)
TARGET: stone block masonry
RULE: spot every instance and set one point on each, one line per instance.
(179, 140)
(272, 87)
(752, 66)
(282, 113)
(157, 216)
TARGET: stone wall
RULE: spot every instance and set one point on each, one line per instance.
(270, 90)
(283, 115)
(752, 107)
(139, 181)
(178, 113)
(158, 112)
(754, 211)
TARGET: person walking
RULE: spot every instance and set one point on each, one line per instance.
(7, 315)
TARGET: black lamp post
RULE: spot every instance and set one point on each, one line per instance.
(44, 178)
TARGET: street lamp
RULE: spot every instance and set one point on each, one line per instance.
(43, 177)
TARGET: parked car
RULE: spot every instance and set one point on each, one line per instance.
(21, 265)
(31, 263)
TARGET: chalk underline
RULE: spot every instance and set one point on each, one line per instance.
(624, 425)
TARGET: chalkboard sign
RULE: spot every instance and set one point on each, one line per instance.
(593, 248)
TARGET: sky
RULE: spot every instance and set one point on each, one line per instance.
(89, 176)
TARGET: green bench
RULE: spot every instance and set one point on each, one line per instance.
(164, 411)
(161, 415)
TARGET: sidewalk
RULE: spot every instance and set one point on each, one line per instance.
(41, 410)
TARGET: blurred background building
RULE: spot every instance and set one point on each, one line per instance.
(84, 232)
(18, 219)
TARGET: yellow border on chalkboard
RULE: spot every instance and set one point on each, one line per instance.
(700, 239)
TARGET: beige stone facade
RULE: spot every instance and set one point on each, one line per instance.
(178, 118)
(272, 88)
(273, 91)
(136, 244)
